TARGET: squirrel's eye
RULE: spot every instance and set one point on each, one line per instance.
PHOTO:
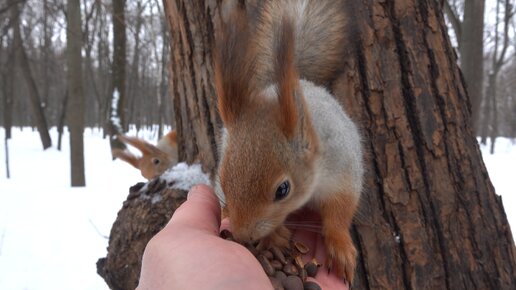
(155, 161)
(282, 191)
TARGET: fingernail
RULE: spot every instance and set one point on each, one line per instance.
(196, 189)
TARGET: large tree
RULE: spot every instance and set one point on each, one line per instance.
(429, 216)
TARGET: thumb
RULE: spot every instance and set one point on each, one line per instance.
(200, 211)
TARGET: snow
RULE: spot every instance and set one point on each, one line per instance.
(182, 176)
(51, 235)
(115, 119)
(501, 167)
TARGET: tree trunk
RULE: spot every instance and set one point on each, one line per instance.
(8, 78)
(91, 88)
(494, 128)
(61, 119)
(117, 105)
(104, 78)
(429, 217)
(163, 87)
(75, 109)
(428, 185)
(497, 61)
(34, 99)
(134, 74)
(472, 54)
(191, 79)
(47, 49)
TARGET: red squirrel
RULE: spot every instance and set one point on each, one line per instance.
(286, 142)
(155, 159)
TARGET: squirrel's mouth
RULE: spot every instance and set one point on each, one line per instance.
(252, 233)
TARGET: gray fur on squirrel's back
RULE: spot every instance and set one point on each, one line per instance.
(340, 145)
(339, 141)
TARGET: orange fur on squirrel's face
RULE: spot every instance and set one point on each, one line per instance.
(261, 157)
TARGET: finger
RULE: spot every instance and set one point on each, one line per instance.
(200, 211)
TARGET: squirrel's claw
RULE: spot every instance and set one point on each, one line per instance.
(341, 255)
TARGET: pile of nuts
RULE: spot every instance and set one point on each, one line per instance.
(286, 270)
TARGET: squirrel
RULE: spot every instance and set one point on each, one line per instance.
(286, 142)
(155, 159)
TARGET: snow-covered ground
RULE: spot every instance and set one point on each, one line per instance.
(51, 235)
(501, 167)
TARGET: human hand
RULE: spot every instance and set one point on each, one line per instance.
(189, 254)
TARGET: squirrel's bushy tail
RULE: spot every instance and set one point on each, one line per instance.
(319, 30)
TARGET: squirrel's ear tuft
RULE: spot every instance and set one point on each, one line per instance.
(172, 137)
(287, 77)
(234, 60)
(127, 157)
(145, 147)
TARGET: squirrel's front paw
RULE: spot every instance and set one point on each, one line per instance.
(280, 238)
(341, 255)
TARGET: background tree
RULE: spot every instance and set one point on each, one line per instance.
(163, 87)
(429, 217)
(116, 121)
(34, 97)
(75, 89)
(7, 56)
(470, 32)
(498, 60)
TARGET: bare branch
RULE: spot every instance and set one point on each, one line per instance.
(506, 21)
(454, 19)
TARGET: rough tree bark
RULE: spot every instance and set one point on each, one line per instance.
(147, 209)
(429, 217)
(430, 204)
(191, 79)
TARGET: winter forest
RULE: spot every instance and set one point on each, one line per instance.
(79, 73)
(35, 33)
(128, 42)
